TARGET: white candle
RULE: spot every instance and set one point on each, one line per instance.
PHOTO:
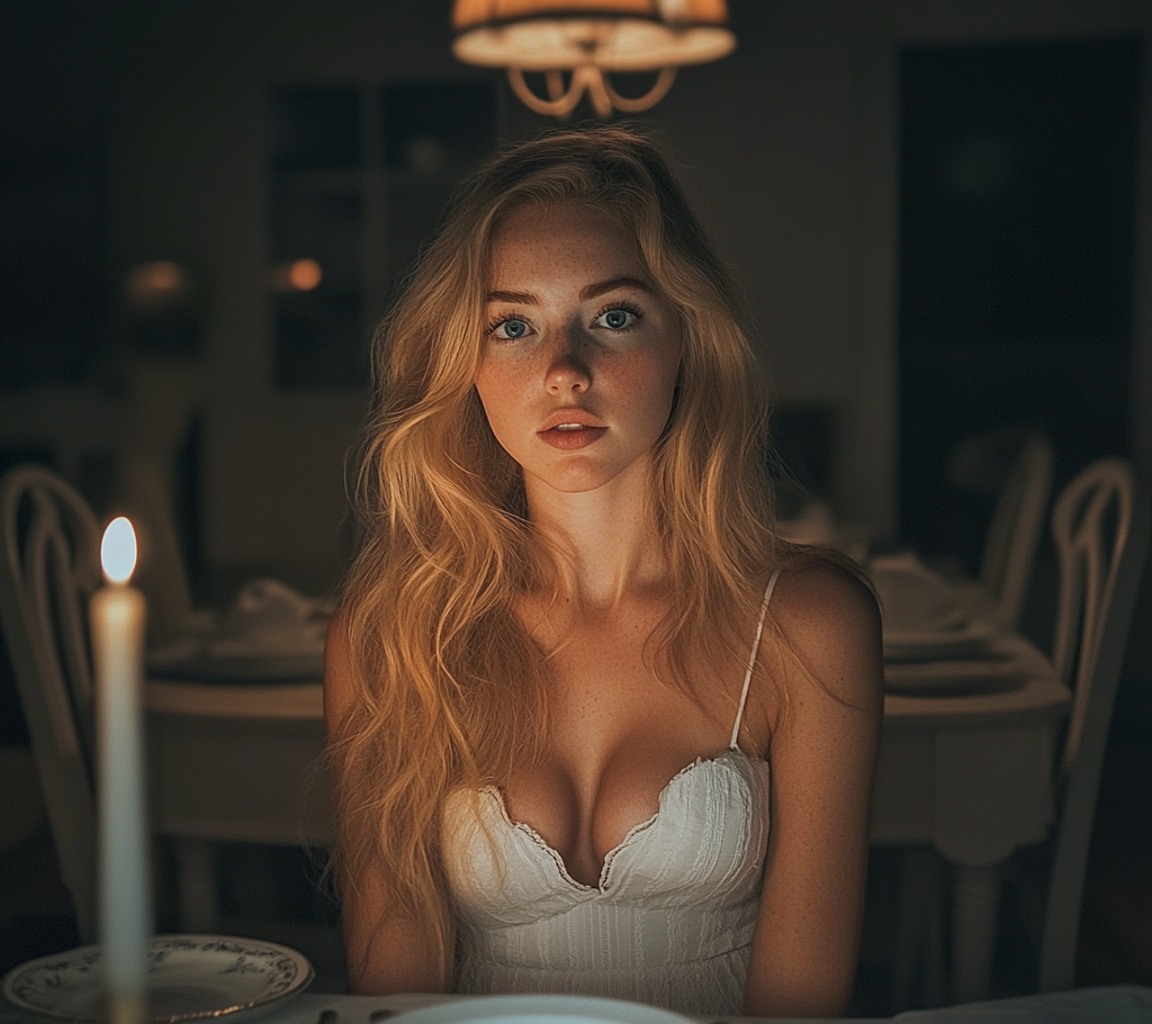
(125, 913)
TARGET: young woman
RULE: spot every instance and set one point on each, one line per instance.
(596, 728)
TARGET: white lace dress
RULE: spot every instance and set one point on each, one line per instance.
(670, 922)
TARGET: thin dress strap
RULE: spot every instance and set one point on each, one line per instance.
(752, 660)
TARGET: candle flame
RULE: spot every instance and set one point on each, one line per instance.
(118, 550)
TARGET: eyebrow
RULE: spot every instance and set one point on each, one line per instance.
(587, 292)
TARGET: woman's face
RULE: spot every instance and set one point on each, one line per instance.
(580, 354)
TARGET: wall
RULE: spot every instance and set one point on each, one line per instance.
(788, 147)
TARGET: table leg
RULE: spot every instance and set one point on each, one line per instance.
(975, 903)
(935, 985)
(918, 941)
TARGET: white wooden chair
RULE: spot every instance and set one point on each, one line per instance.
(1100, 525)
(146, 496)
(162, 401)
(1014, 532)
(1012, 465)
(49, 568)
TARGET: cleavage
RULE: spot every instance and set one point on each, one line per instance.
(583, 828)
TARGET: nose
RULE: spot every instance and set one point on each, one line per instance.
(568, 370)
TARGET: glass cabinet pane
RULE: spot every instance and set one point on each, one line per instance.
(359, 177)
(435, 133)
(317, 301)
(435, 128)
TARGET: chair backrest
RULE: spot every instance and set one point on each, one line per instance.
(1100, 525)
(163, 399)
(161, 573)
(49, 568)
(1014, 531)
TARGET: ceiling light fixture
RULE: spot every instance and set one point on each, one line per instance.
(590, 39)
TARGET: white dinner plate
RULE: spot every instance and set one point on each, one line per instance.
(969, 641)
(190, 977)
(544, 1009)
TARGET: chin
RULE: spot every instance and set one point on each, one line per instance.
(574, 479)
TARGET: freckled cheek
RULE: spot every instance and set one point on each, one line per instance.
(507, 367)
(497, 379)
(648, 383)
(502, 394)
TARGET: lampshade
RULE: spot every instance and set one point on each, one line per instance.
(589, 38)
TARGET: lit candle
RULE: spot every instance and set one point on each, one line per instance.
(117, 618)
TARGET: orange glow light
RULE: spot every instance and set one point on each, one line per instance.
(305, 275)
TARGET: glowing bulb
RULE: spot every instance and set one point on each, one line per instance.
(305, 275)
(118, 550)
(297, 276)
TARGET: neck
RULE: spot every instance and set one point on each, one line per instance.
(604, 540)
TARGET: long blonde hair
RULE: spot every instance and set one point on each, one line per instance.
(449, 686)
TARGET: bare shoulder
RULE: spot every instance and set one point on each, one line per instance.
(829, 619)
(819, 594)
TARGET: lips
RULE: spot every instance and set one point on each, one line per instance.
(569, 415)
(569, 437)
(570, 429)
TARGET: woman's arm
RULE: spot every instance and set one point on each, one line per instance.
(385, 952)
(823, 752)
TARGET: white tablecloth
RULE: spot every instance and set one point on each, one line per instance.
(1117, 1004)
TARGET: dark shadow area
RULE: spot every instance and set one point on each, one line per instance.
(1016, 273)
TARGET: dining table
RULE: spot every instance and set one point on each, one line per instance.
(964, 770)
(1116, 1004)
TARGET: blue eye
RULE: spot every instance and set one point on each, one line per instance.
(510, 329)
(617, 319)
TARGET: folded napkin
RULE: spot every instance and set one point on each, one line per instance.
(269, 618)
(915, 598)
